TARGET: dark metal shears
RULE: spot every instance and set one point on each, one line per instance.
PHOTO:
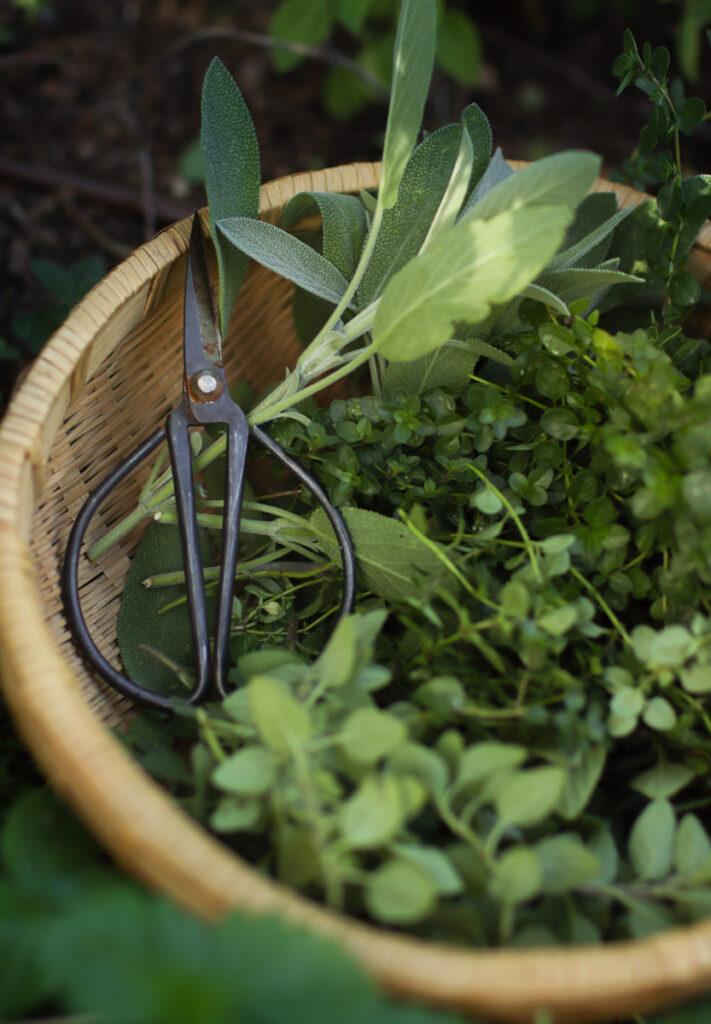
(206, 400)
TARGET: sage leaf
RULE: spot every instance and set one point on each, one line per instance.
(369, 734)
(394, 563)
(282, 722)
(476, 124)
(692, 846)
(232, 173)
(285, 255)
(584, 282)
(526, 797)
(449, 366)
(413, 60)
(571, 256)
(566, 863)
(144, 627)
(461, 275)
(373, 815)
(404, 227)
(540, 294)
(497, 170)
(455, 192)
(399, 892)
(559, 180)
(251, 771)
(651, 843)
(343, 225)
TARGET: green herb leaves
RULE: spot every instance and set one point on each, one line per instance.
(461, 275)
(413, 61)
(232, 175)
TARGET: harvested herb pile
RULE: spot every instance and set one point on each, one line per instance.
(509, 741)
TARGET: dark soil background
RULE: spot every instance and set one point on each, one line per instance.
(98, 101)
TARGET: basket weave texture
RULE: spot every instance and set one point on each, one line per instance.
(104, 381)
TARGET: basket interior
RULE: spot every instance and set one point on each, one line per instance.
(128, 395)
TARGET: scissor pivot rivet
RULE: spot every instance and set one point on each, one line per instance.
(205, 383)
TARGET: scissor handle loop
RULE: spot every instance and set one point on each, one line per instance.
(210, 670)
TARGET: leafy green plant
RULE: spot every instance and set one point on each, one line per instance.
(303, 24)
(65, 286)
(509, 741)
(77, 937)
(683, 204)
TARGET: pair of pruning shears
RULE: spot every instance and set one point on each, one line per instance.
(206, 400)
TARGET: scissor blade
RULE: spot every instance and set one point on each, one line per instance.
(203, 343)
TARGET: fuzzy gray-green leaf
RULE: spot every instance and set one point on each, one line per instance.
(560, 180)
(285, 255)
(232, 174)
(343, 225)
(413, 61)
(461, 275)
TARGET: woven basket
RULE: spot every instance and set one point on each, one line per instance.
(103, 382)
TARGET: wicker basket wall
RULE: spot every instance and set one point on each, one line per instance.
(103, 382)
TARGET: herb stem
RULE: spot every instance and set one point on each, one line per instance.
(603, 604)
(528, 543)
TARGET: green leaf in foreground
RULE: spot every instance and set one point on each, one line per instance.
(232, 173)
(412, 69)
(285, 255)
(461, 275)
(282, 722)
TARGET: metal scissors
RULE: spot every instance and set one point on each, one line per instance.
(206, 400)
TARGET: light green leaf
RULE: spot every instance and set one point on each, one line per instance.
(583, 282)
(559, 621)
(485, 759)
(449, 366)
(455, 192)
(434, 863)
(423, 764)
(405, 226)
(343, 224)
(548, 298)
(477, 126)
(663, 781)
(569, 257)
(497, 170)
(651, 842)
(374, 814)
(233, 815)
(232, 174)
(692, 846)
(581, 778)
(393, 562)
(413, 61)
(659, 714)
(559, 180)
(603, 845)
(459, 50)
(527, 797)
(251, 771)
(517, 876)
(299, 21)
(459, 277)
(399, 892)
(285, 255)
(282, 722)
(566, 863)
(369, 734)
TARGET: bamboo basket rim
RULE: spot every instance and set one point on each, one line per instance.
(121, 804)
